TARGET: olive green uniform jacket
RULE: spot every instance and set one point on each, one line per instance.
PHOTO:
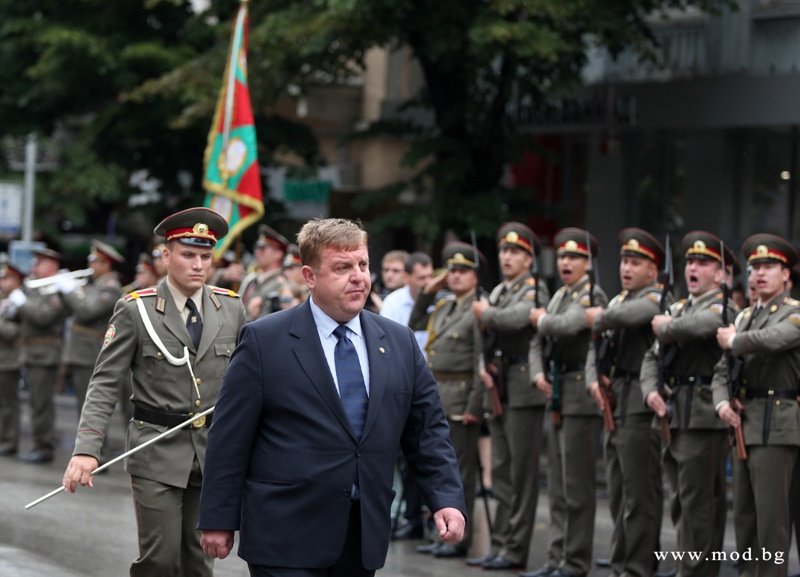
(571, 453)
(516, 435)
(91, 307)
(632, 449)
(129, 352)
(695, 458)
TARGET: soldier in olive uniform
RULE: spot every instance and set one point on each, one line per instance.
(697, 451)
(768, 342)
(516, 433)
(159, 338)
(261, 288)
(454, 352)
(632, 448)
(564, 333)
(91, 306)
(42, 318)
(10, 351)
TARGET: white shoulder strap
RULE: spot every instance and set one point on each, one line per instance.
(171, 359)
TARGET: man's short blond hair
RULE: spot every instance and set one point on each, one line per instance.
(320, 233)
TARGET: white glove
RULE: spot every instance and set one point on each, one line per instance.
(66, 285)
(17, 298)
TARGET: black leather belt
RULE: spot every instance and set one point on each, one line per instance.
(166, 419)
(769, 393)
(690, 381)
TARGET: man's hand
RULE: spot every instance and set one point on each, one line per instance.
(436, 283)
(729, 415)
(660, 321)
(591, 314)
(597, 395)
(535, 315)
(216, 544)
(79, 471)
(656, 404)
(479, 307)
(724, 335)
(470, 419)
(544, 385)
(486, 379)
(450, 523)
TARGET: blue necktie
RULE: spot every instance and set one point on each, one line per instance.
(352, 389)
(194, 323)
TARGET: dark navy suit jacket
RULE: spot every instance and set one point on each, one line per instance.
(282, 458)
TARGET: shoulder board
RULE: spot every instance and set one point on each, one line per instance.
(223, 291)
(587, 287)
(679, 305)
(531, 281)
(148, 292)
(791, 302)
(658, 286)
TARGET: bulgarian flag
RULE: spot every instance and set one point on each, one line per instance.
(231, 176)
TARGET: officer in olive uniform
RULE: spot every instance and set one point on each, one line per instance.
(90, 306)
(454, 351)
(564, 338)
(10, 351)
(261, 289)
(632, 448)
(697, 451)
(516, 433)
(768, 342)
(42, 318)
(159, 338)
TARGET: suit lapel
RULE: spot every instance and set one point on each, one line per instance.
(212, 324)
(379, 356)
(311, 358)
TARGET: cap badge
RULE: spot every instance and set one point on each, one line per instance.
(512, 236)
(200, 228)
(571, 245)
(699, 245)
(761, 250)
(633, 243)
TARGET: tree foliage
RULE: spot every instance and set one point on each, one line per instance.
(132, 83)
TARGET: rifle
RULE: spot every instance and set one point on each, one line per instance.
(602, 379)
(668, 281)
(493, 358)
(547, 365)
(733, 368)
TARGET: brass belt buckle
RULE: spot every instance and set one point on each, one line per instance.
(199, 423)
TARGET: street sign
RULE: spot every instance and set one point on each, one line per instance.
(10, 208)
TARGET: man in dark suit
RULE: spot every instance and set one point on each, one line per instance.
(316, 403)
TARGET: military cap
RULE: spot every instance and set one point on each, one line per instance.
(640, 243)
(106, 251)
(10, 269)
(268, 235)
(145, 262)
(572, 240)
(199, 227)
(460, 255)
(703, 245)
(158, 250)
(517, 234)
(764, 248)
(47, 253)
(292, 257)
